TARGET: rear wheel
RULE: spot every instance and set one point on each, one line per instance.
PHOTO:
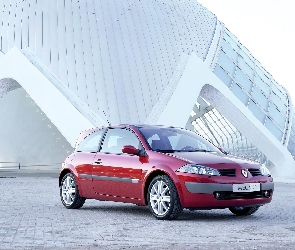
(163, 199)
(69, 192)
(243, 210)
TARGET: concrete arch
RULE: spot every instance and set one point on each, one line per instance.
(39, 123)
(21, 72)
(197, 79)
(145, 78)
(27, 134)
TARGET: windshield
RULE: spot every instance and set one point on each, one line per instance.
(176, 140)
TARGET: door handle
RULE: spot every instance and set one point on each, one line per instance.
(98, 161)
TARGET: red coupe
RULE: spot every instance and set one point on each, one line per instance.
(166, 168)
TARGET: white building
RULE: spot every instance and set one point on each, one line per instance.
(68, 65)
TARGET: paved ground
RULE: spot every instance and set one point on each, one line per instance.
(32, 217)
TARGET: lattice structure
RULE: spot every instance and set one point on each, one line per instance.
(217, 129)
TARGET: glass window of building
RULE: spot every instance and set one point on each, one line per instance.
(276, 115)
(259, 98)
(261, 74)
(222, 75)
(247, 57)
(236, 89)
(262, 85)
(262, 70)
(229, 51)
(246, 77)
(226, 63)
(245, 67)
(278, 102)
(280, 88)
(231, 41)
(278, 92)
(257, 112)
(243, 80)
(273, 129)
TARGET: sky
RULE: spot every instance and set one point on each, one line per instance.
(267, 29)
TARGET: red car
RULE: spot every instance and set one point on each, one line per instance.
(166, 168)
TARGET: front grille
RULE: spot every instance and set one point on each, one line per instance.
(227, 172)
(255, 172)
(232, 196)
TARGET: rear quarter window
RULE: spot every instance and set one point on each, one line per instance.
(91, 142)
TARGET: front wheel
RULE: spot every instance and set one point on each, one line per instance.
(163, 199)
(69, 192)
(243, 210)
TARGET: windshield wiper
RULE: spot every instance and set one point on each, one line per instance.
(200, 150)
(194, 150)
(173, 151)
(166, 150)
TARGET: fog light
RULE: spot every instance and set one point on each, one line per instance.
(217, 196)
(266, 194)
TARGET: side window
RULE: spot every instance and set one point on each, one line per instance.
(91, 142)
(174, 140)
(117, 138)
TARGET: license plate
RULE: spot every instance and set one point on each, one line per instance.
(246, 187)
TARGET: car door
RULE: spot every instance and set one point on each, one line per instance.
(115, 173)
(84, 157)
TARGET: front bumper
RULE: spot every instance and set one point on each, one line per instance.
(210, 195)
(210, 188)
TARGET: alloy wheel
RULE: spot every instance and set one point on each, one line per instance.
(68, 190)
(160, 198)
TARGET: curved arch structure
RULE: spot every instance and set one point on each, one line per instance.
(86, 62)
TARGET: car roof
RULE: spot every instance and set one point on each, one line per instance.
(145, 126)
(88, 131)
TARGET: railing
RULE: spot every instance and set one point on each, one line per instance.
(17, 165)
(8, 165)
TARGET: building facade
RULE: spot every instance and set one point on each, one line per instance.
(84, 63)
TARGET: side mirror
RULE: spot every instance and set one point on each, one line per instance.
(130, 150)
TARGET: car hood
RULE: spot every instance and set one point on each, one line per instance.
(212, 159)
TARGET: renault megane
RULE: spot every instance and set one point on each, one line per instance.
(166, 168)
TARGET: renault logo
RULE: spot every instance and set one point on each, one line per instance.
(244, 173)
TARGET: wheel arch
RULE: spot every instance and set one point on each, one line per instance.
(157, 172)
(68, 168)
(62, 174)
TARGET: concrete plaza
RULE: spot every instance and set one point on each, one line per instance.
(32, 217)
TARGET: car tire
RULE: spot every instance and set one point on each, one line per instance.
(69, 192)
(242, 211)
(163, 199)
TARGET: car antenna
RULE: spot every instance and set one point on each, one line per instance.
(106, 118)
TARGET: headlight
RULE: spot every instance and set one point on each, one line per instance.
(198, 169)
(264, 170)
